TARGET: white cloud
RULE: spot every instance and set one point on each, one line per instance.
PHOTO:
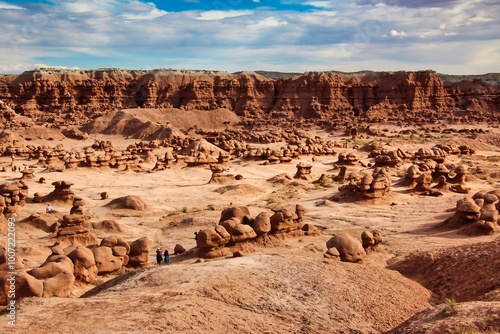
(395, 33)
(4, 5)
(213, 15)
(268, 22)
(154, 13)
(335, 35)
(128, 9)
(320, 4)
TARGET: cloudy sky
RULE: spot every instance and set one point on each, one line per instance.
(449, 36)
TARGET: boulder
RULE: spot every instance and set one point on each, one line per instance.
(349, 247)
(178, 249)
(333, 253)
(26, 286)
(83, 260)
(230, 223)
(242, 233)
(110, 226)
(53, 266)
(59, 285)
(237, 212)
(105, 261)
(113, 240)
(213, 238)
(128, 202)
(262, 223)
(139, 253)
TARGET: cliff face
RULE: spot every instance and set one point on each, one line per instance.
(76, 96)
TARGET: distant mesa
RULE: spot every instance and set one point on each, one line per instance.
(74, 97)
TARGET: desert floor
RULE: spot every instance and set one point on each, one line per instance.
(287, 287)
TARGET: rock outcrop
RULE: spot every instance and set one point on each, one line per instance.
(77, 95)
(349, 248)
(476, 215)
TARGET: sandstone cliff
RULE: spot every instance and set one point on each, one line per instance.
(75, 96)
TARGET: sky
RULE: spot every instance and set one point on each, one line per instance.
(448, 36)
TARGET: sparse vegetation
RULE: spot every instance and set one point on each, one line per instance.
(450, 308)
(98, 281)
(484, 177)
(468, 329)
(122, 271)
(271, 199)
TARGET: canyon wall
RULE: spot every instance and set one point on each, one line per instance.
(75, 96)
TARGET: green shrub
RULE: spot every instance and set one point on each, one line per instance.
(450, 308)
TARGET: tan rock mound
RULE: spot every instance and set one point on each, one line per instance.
(139, 253)
(254, 294)
(84, 263)
(239, 189)
(471, 317)
(463, 273)
(109, 226)
(128, 202)
(475, 216)
(349, 247)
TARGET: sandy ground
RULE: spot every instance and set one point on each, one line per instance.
(282, 289)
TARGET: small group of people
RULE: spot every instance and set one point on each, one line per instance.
(161, 254)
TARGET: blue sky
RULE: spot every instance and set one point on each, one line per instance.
(449, 36)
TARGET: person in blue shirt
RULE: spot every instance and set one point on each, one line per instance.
(167, 256)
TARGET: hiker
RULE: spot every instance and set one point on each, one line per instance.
(195, 235)
(167, 257)
(48, 209)
(159, 255)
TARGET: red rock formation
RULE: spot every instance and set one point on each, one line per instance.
(74, 96)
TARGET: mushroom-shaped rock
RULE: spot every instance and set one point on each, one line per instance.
(85, 267)
(489, 211)
(139, 253)
(230, 223)
(367, 240)
(75, 228)
(468, 210)
(61, 193)
(300, 211)
(262, 223)
(237, 212)
(349, 247)
(106, 262)
(242, 233)
(213, 238)
(303, 172)
(113, 241)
